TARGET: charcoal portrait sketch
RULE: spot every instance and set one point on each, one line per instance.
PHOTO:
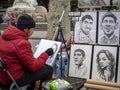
(80, 60)
(104, 63)
(108, 28)
(85, 28)
(54, 47)
(44, 45)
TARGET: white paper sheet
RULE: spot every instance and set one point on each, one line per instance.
(44, 45)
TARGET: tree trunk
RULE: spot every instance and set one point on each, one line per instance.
(56, 9)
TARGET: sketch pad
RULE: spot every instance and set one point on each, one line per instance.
(44, 45)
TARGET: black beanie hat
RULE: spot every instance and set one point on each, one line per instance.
(25, 21)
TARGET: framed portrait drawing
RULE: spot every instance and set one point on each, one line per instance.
(108, 28)
(118, 68)
(80, 61)
(44, 45)
(104, 63)
(85, 28)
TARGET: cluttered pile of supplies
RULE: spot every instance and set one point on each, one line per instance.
(57, 84)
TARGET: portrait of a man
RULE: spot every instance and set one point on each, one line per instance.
(104, 63)
(79, 57)
(85, 29)
(108, 28)
(80, 60)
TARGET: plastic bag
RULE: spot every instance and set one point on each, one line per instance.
(59, 84)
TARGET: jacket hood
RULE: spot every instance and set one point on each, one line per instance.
(12, 33)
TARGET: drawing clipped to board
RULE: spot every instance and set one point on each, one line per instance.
(44, 45)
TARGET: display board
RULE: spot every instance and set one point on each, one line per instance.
(106, 33)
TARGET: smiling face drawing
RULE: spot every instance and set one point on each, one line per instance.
(103, 60)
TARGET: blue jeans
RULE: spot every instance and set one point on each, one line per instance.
(60, 65)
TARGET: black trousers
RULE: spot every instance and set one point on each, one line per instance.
(28, 78)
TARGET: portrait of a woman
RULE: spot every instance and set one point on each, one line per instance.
(105, 65)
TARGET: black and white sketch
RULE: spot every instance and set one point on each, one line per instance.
(88, 3)
(118, 73)
(80, 60)
(108, 32)
(85, 28)
(104, 63)
(44, 45)
(55, 47)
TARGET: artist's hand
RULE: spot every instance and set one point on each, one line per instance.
(70, 39)
(49, 51)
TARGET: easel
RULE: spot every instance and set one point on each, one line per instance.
(59, 35)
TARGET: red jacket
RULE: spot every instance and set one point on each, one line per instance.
(16, 51)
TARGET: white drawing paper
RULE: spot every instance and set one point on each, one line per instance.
(44, 45)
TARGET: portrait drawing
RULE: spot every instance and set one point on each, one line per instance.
(44, 45)
(80, 61)
(85, 28)
(104, 63)
(108, 32)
